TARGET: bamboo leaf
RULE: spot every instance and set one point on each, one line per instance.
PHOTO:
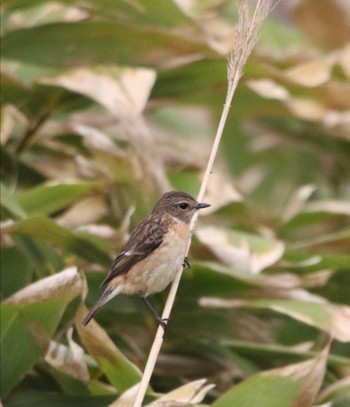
(45, 229)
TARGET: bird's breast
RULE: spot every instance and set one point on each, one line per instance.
(159, 269)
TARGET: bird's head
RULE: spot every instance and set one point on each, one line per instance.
(179, 204)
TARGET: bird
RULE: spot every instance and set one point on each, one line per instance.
(153, 254)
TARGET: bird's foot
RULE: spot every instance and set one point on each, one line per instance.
(163, 322)
(186, 263)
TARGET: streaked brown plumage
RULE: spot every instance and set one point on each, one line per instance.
(154, 252)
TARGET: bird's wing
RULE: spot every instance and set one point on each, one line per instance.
(148, 235)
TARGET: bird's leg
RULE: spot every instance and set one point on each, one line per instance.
(186, 263)
(161, 321)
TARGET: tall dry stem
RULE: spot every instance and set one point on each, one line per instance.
(246, 36)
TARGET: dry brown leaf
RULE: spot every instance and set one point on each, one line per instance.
(311, 74)
(216, 30)
(269, 89)
(327, 24)
(126, 399)
(339, 384)
(86, 211)
(310, 374)
(292, 294)
(217, 33)
(281, 280)
(48, 12)
(192, 392)
(98, 343)
(240, 255)
(310, 261)
(147, 160)
(297, 201)
(317, 279)
(67, 284)
(11, 117)
(336, 94)
(65, 168)
(220, 192)
(127, 87)
(329, 206)
(344, 60)
(307, 109)
(340, 322)
(252, 177)
(335, 321)
(340, 121)
(95, 139)
(69, 359)
(104, 231)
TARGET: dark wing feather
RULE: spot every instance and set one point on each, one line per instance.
(148, 235)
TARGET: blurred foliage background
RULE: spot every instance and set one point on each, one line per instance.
(105, 105)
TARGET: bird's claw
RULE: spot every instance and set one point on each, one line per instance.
(186, 263)
(163, 322)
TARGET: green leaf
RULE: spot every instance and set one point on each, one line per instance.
(45, 229)
(120, 372)
(25, 333)
(166, 15)
(42, 399)
(262, 391)
(203, 82)
(96, 42)
(14, 270)
(9, 202)
(334, 319)
(339, 390)
(155, 13)
(243, 251)
(12, 91)
(41, 257)
(312, 261)
(46, 199)
(277, 35)
(269, 351)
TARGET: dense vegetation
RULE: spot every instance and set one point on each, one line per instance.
(106, 105)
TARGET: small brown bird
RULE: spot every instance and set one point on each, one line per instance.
(154, 252)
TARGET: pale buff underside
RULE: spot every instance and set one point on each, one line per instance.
(157, 271)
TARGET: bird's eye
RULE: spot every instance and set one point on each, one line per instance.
(183, 205)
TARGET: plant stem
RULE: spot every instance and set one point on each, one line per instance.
(246, 37)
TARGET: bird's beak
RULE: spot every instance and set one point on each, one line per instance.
(202, 205)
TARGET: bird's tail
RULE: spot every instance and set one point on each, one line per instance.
(108, 294)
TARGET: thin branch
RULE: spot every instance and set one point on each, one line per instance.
(35, 126)
(32, 131)
(246, 36)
